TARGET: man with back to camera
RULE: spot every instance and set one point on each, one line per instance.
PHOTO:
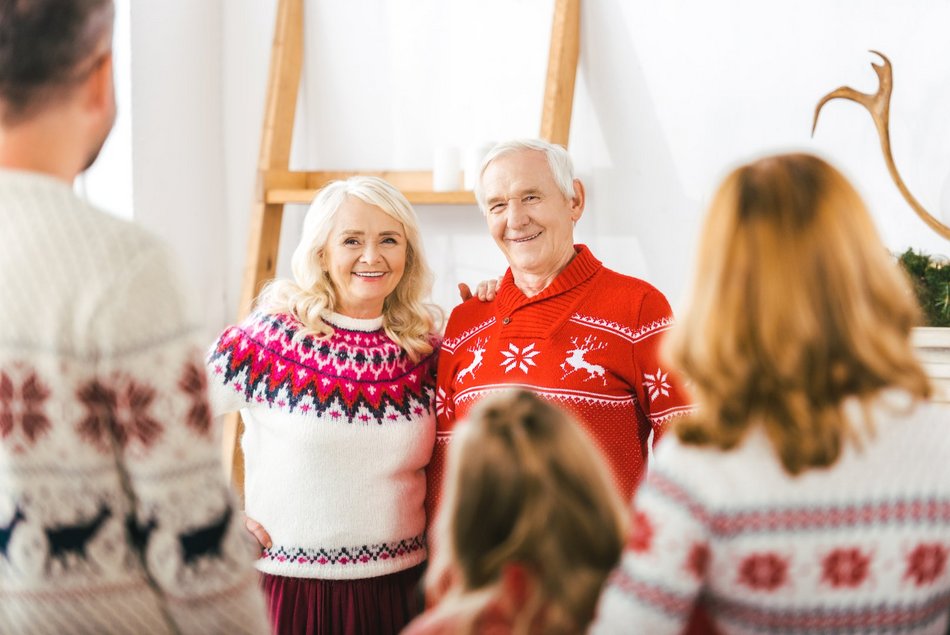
(561, 324)
(114, 516)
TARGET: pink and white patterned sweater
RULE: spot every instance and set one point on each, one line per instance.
(338, 433)
(860, 547)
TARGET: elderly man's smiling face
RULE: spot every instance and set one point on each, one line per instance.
(528, 216)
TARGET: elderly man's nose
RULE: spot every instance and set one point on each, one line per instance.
(517, 214)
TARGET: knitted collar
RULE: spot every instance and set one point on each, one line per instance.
(352, 324)
(36, 179)
(560, 297)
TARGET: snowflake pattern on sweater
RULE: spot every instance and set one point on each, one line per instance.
(859, 547)
(338, 431)
(114, 513)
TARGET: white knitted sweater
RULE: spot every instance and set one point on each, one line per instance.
(338, 432)
(860, 547)
(114, 515)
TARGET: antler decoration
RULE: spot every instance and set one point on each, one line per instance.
(879, 105)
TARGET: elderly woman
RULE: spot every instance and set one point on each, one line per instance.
(334, 376)
(811, 491)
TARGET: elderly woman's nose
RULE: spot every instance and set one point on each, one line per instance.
(370, 253)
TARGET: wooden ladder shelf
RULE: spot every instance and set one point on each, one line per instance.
(278, 185)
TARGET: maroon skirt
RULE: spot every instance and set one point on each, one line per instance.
(371, 606)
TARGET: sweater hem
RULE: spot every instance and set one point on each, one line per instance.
(349, 571)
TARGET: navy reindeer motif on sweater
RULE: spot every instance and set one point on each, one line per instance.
(7, 532)
(73, 539)
(139, 534)
(205, 541)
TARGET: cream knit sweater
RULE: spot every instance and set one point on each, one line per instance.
(114, 517)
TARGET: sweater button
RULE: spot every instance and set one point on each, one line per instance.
(507, 320)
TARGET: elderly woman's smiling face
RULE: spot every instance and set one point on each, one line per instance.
(365, 257)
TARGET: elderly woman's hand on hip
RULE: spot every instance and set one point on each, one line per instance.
(257, 530)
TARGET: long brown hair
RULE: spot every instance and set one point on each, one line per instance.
(526, 486)
(796, 307)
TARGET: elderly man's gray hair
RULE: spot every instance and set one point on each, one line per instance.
(562, 168)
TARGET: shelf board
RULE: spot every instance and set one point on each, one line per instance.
(282, 196)
(277, 187)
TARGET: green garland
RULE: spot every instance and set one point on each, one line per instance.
(931, 278)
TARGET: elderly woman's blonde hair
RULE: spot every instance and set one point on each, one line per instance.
(797, 309)
(525, 486)
(407, 318)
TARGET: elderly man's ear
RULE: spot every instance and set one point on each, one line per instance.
(577, 203)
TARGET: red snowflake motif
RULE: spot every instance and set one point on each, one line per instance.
(194, 383)
(845, 568)
(763, 571)
(23, 407)
(121, 414)
(641, 532)
(926, 563)
(697, 561)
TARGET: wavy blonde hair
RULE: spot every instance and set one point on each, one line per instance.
(408, 319)
(526, 486)
(796, 308)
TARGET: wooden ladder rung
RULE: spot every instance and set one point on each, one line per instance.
(286, 196)
(278, 187)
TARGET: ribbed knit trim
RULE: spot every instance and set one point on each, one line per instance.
(560, 298)
(353, 324)
(37, 179)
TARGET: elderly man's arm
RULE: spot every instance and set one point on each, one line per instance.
(659, 391)
(445, 421)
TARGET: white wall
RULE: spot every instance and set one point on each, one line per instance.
(669, 95)
(178, 150)
(108, 183)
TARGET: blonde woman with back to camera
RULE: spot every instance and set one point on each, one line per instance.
(334, 375)
(810, 493)
(530, 527)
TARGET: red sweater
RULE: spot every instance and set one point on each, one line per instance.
(589, 343)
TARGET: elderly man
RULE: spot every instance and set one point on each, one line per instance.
(114, 514)
(561, 324)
